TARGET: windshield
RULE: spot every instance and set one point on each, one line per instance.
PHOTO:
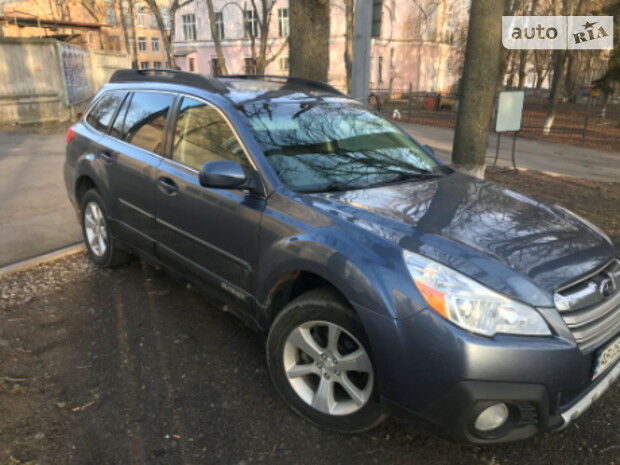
(323, 146)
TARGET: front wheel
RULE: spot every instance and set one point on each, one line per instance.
(320, 363)
(102, 247)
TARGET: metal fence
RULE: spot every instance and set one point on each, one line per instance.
(584, 122)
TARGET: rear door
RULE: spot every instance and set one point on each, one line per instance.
(212, 233)
(133, 152)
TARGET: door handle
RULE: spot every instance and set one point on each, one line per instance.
(168, 186)
(106, 156)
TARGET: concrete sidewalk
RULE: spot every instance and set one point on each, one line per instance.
(35, 214)
(568, 160)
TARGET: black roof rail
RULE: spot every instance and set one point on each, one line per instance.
(172, 76)
(289, 80)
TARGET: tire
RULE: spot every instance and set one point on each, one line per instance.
(110, 255)
(316, 314)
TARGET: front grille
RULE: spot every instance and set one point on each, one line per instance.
(591, 307)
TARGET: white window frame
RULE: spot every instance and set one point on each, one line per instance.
(155, 40)
(142, 44)
(140, 17)
(250, 24)
(283, 22)
(189, 26)
(219, 25)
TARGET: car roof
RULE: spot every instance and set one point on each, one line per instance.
(238, 89)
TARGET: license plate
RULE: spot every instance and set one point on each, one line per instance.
(607, 357)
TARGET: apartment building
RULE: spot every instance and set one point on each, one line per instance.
(94, 24)
(413, 43)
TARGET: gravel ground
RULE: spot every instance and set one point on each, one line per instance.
(130, 367)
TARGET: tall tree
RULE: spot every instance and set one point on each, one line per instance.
(263, 10)
(174, 7)
(566, 8)
(349, 13)
(478, 86)
(162, 31)
(309, 39)
(134, 38)
(221, 62)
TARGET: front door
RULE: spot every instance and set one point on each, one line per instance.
(212, 233)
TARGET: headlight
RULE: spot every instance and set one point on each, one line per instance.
(471, 305)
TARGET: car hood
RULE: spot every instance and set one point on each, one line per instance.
(467, 223)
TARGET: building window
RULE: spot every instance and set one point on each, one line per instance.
(219, 25)
(155, 44)
(157, 64)
(152, 20)
(283, 63)
(110, 14)
(283, 22)
(140, 17)
(115, 42)
(165, 16)
(142, 44)
(380, 70)
(250, 24)
(167, 65)
(249, 65)
(144, 64)
(216, 69)
(189, 27)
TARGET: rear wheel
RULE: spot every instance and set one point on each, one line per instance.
(320, 363)
(102, 247)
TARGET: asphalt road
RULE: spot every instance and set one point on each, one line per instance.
(129, 367)
(36, 216)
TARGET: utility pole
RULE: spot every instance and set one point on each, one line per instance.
(360, 69)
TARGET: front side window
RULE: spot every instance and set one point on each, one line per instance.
(202, 135)
(283, 22)
(155, 44)
(142, 44)
(250, 24)
(142, 119)
(189, 27)
(102, 113)
(319, 146)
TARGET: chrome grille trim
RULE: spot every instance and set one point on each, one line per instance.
(591, 317)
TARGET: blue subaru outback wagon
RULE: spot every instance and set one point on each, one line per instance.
(383, 281)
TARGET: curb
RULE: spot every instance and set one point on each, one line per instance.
(43, 258)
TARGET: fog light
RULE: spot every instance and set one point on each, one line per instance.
(492, 417)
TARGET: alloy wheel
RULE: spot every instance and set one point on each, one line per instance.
(96, 229)
(328, 368)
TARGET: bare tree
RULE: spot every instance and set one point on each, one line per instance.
(309, 39)
(221, 62)
(478, 86)
(162, 31)
(349, 13)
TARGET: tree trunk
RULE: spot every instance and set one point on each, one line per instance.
(121, 4)
(221, 61)
(309, 39)
(559, 60)
(134, 49)
(348, 40)
(523, 56)
(478, 86)
(162, 31)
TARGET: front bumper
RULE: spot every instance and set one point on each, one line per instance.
(436, 371)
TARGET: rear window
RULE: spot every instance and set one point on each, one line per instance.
(102, 113)
(142, 119)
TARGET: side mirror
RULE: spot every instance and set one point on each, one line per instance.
(224, 174)
(429, 150)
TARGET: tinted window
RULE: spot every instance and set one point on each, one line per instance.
(316, 146)
(202, 135)
(142, 123)
(102, 113)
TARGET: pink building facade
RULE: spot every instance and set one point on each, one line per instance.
(415, 46)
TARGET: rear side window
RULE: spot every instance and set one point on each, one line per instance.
(202, 135)
(142, 119)
(102, 113)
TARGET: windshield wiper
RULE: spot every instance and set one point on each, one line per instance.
(403, 177)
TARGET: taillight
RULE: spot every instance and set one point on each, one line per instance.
(70, 135)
